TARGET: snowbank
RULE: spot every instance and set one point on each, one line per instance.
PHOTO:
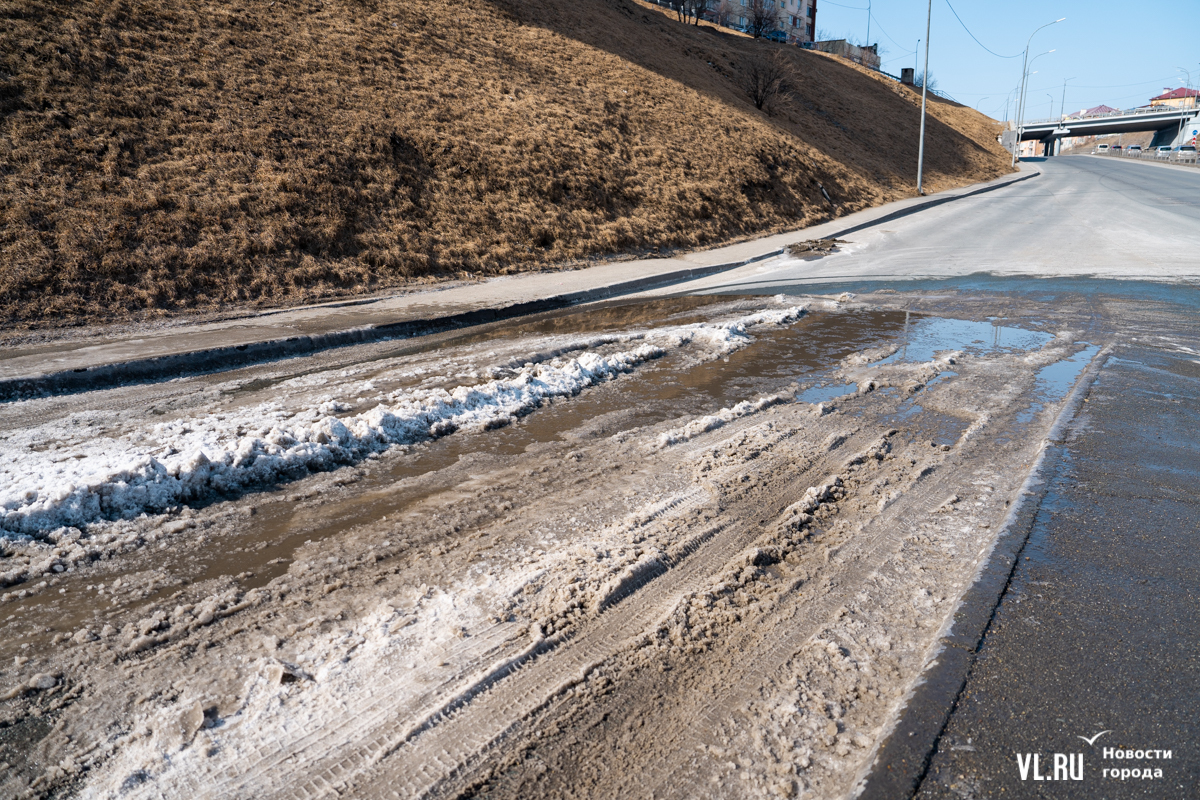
(190, 459)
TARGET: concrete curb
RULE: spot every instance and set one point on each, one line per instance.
(217, 359)
(902, 759)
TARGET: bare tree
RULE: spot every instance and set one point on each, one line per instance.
(689, 9)
(725, 12)
(762, 17)
(767, 82)
(919, 81)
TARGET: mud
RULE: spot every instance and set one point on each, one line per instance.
(719, 571)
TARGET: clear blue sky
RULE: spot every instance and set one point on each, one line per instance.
(1117, 53)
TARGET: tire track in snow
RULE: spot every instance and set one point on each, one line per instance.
(417, 768)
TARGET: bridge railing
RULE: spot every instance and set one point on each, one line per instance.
(1132, 112)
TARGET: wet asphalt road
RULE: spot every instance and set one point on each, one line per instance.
(1099, 629)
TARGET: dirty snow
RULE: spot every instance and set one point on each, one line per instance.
(188, 459)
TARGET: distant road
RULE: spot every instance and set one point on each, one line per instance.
(1084, 216)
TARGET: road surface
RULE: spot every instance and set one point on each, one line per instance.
(1082, 216)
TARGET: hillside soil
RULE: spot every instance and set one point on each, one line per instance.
(712, 555)
(168, 156)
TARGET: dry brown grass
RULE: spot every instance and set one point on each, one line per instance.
(165, 155)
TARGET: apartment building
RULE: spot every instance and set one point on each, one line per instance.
(797, 19)
(1179, 98)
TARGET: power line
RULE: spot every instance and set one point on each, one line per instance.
(893, 41)
(968, 30)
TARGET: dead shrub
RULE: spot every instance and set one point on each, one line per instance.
(767, 80)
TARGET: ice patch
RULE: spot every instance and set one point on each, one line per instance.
(713, 421)
(189, 459)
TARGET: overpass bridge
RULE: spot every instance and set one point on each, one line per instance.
(1164, 121)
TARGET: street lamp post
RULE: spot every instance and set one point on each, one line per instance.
(1024, 69)
(1021, 105)
(1046, 147)
(1186, 89)
(1062, 106)
(924, 97)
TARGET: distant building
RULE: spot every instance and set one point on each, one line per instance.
(867, 56)
(797, 18)
(1179, 98)
(1094, 111)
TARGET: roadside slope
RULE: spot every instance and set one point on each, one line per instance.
(162, 156)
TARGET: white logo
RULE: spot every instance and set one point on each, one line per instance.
(1094, 738)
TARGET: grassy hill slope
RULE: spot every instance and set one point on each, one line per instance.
(161, 155)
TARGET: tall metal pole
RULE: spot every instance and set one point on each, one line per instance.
(1062, 106)
(1021, 98)
(1024, 93)
(1187, 89)
(924, 98)
(1048, 146)
(868, 41)
(1020, 94)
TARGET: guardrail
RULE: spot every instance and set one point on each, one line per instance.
(1186, 158)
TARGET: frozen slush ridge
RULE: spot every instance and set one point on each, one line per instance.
(713, 421)
(196, 458)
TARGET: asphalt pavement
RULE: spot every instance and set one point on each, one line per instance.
(1083, 624)
(1082, 217)
(1094, 651)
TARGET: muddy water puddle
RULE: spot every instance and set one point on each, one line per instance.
(924, 337)
(657, 392)
(261, 547)
(263, 544)
(1053, 381)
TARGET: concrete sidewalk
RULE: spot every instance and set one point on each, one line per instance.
(85, 364)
